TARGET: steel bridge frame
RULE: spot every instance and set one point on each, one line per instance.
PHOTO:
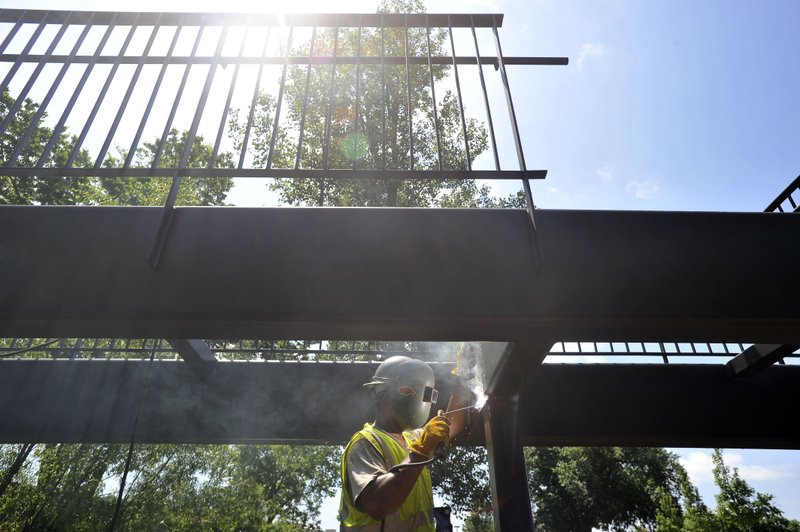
(519, 278)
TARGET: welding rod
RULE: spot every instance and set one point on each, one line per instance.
(475, 405)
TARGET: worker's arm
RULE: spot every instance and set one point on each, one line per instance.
(460, 398)
(386, 492)
(384, 495)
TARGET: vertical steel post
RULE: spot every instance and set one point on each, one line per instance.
(509, 480)
(169, 207)
(526, 185)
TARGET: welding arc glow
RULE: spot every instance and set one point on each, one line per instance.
(478, 405)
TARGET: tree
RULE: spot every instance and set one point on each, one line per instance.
(29, 190)
(613, 488)
(154, 190)
(740, 507)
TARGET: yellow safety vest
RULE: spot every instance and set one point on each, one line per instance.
(416, 513)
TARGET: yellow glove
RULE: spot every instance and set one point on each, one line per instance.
(435, 431)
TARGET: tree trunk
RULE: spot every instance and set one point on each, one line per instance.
(12, 471)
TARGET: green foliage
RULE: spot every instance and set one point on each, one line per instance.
(603, 487)
(36, 190)
(740, 507)
(154, 190)
(33, 190)
(221, 487)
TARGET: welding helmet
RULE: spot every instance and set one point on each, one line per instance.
(409, 388)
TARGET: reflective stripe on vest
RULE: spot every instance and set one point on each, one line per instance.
(416, 513)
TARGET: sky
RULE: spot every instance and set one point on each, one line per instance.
(665, 105)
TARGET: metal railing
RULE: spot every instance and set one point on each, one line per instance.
(788, 200)
(149, 67)
(239, 349)
(318, 350)
(662, 350)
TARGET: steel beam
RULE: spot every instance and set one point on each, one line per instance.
(399, 273)
(757, 357)
(196, 354)
(291, 402)
(511, 503)
(509, 481)
(662, 405)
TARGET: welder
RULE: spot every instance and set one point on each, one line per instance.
(386, 485)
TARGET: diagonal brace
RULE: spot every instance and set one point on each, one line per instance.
(757, 357)
(196, 353)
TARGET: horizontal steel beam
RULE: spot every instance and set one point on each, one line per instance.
(292, 60)
(318, 402)
(300, 173)
(397, 20)
(672, 405)
(382, 274)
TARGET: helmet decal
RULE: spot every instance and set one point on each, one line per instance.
(407, 390)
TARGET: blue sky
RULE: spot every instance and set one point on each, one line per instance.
(666, 105)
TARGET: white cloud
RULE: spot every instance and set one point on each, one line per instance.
(590, 50)
(757, 472)
(606, 174)
(552, 190)
(699, 467)
(643, 188)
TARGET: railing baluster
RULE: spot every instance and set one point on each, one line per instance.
(458, 94)
(176, 102)
(433, 94)
(489, 120)
(25, 139)
(227, 107)
(125, 99)
(271, 155)
(305, 100)
(34, 76)
(102, 95)
(153, 94)
(75, 94)
(254, 101)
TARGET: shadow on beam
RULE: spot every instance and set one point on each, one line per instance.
(290, 402)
